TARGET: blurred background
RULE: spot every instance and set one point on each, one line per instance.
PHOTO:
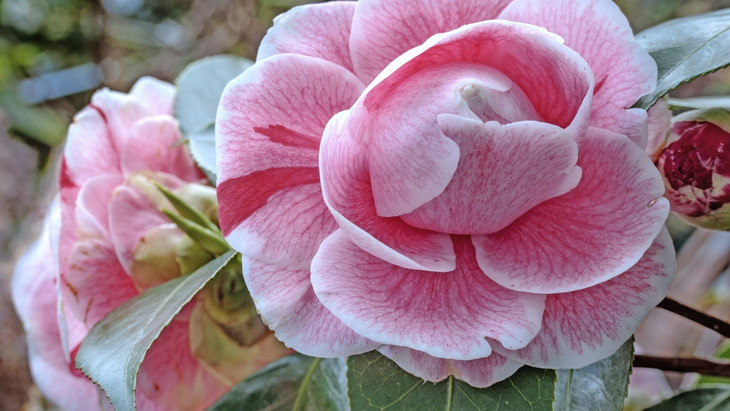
(55, 53)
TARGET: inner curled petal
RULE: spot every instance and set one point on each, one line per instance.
(506, 105)
(504, 171)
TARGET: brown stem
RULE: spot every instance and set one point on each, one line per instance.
(684, 364)
(699, 317)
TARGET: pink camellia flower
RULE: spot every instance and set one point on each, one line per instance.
(457, 184)
(695, 165)
(115, 242)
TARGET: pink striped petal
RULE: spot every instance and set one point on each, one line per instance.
(287, 303)
(383, 30)
(445, 315)
(89, 149)
(317, 30)
(170, 377)
(269, 125)
(503, 172)
(589, 235)
(94, 271)
(33, 291)
(348, 193)
(600, 33)
(156, 96)
(131, 216)
(479, 373)
(151, 146)
(588, 325)
(92, 206)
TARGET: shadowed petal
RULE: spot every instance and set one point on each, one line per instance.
(286, 302)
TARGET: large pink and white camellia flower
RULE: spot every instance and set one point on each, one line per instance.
(115, 243)
(459, 184)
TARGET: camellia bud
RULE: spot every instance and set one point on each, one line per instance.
(695, 165)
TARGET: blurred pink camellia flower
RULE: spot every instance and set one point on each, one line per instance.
(34, 295)
(695, 165)
(457, 184)
(114, 242)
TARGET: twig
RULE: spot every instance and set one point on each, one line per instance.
(717, 368)
(699, 317)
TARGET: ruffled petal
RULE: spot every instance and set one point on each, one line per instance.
(151, 147)
(600, 33)
(33, 291)
(347, 192)
(94, 271)
(287, 303)
(268, 129)
(89, 150)
(92, 206)
(317, 30)
(445, 315)
(504, 171)
(589, 235)
(479, 373)
(588, 325)
(383, 30)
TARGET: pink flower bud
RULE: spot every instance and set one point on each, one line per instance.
(695, 165)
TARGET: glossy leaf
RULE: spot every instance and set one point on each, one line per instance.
(702, 399)
(600, 386)
(686, 48)
(377, 383)
(199, 89)
(114, 348)
(295, 382)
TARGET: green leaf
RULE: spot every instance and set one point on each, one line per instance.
(686, 48)
(199, 89)
(295, 382)
(377, 383)
(212, 241)
(701, 399)
(114, 348)
(600, 386)
(186, 210)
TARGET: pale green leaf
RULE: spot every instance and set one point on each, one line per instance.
(295, 382)
(114, 348)
(686, 48)
(700, 102)
(377, 383)
(199, 89)
(701, 399)
(600, 386)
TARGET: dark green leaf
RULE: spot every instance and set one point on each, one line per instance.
(295, 382)
(701, 399)
(199, 89)
(377, 383)
(686, 48)
(600, 386)
(115, 347)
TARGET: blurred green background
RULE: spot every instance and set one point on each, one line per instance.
(55, 53)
